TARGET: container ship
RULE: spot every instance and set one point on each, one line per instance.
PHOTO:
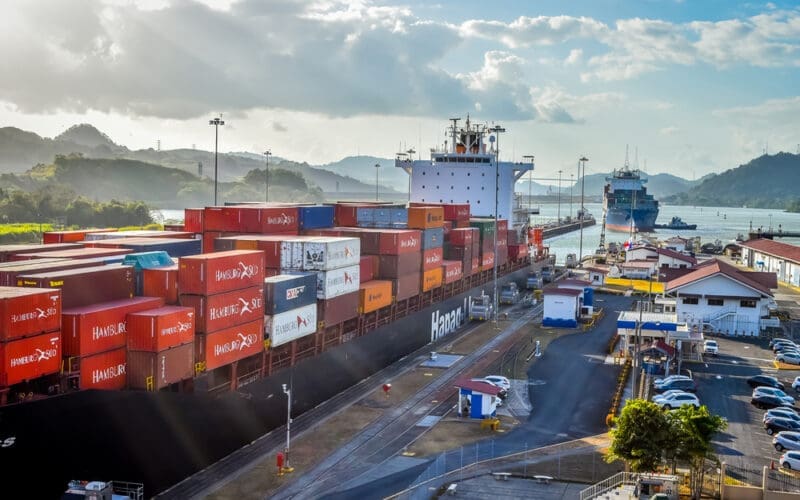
(627, 207)
(146, 356)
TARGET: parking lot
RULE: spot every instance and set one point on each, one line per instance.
(722, 386)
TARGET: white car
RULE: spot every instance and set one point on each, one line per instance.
(499, 381)
(786, 440)
(796, 384)
(677, 400)
(771, 391)
(663, 381)
(710, 347)
(791, 460)
(669, 393)
(793, 358)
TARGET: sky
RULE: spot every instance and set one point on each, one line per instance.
(691, 87)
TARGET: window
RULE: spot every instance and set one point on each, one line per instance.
(747, 303)
(690, 300)
(716, 302)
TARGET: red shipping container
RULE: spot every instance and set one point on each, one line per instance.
(50, 237)
(452, 270)
(251, 219)
(8, 275)
(407, 286)
(85, 286)
(223, 347)
(101, 327)
(462, 223)
(107, 370)
(396, 266)
(461, 236)
(338, 309)
(160, 368)
(502, 225)
(345, 213)
(161, 282)
(29, 358)
(224, 310)
(6, 251)
(487, 261)
(28, 311)
(502, 239)
(269, 244)
(432, 258)
(502, 255)
(456, 211)
(476, 264)
(368, 266)
(398, 242)
(193, 220)
(208, 240)
(73, 253)
(155, 330)
(220, 272)
(516, 252)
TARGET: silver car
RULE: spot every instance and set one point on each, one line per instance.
(781, 413)
(793, 358)
(786, 440)
(771, 391)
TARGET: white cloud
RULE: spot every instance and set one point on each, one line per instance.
(527, 31)
(575, 57)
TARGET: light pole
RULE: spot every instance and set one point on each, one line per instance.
(770, 223)
(287, 467)
(571, 183)
(530, 183)
(635, 364)
(266, 165)
(216, 122)
(583, 160)
(497, 130)
(377, 168)
(558, 197)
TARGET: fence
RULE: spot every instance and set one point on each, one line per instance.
(778, 480)
(743, 476)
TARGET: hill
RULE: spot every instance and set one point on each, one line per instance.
(768, 181)
(660, 185)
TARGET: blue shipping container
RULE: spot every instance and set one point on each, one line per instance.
(399, 215)
(432, 238)
(175, 247)
(315, 217)
(365, 215)
(289, 291)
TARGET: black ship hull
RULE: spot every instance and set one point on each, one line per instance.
(161, 438)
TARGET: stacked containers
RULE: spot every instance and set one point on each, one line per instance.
(290, 307)
(502, 241)
(487, 230)
(430, 220)
(30, 334)
(160, 347)
(85, 286)
(226, 291)
(459, 247)
(399, 254)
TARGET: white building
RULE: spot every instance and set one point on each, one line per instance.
(597, 275)
(676, 243)
(718, 297)
(562, 307)
(637, 269)
(644, 252)
(776, 257)
(674, 260)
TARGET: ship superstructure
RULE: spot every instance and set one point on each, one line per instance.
(626, 204)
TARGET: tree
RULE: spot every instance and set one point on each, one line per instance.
(640, 436)
(693, 430)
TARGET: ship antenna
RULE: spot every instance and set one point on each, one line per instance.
(636, 157)
(455, 126)
(626, 157)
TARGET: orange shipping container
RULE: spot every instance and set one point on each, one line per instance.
(107, 370)
(425, 217)
(29, 358)
(69, 236)
(374, 295)
(431, 279)
(487, 261)
(476, 265)
(159, 329)
(161, 282)
(223, 347)
(453, 270)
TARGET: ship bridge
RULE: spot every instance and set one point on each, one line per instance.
(467, 172)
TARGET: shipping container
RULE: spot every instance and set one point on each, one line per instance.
(517, 252)
(502, 238)
(251, 219)
(208, 240)
(85, 286)
(368, 266)
(432, 279)
(290, 325)
(460, 253)
(291, 252)
(73, 236)
(158, 329)
(365, 216)
(346, 214)
(502, 225)
(398, 242)
(407, 286)
(106, 370)
(337, 282)
(512, 237)
(225, 310)
(269, 244)
(452, 270)
(325, 254)
(460, 237)
(175, 247)
(476, 264)
(432, 238)
(486, 228)
(338, 309)
(425, 217)
(29, 358)
(315, 216)
(11, 270)
(289, 291)
(374, 295)
(100, 327)
(452, 211)
(396, 266)
(138, 233)
(223, 347)
(74, 253)
(193, 220)
(487, 261)
(157, 370)
(6, 251)
(432, 258)
(220, 272)
(28, 311)
(502, 255)
(161, 282)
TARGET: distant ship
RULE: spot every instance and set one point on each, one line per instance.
(626, 205)
(677, 223)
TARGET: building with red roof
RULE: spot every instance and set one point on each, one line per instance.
(776, 257)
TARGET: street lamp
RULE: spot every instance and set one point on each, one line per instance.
(583, 160)
(287, 467)
(497, 130)
(558, 197)
(216, 122)
(377, 168)
(266, 165)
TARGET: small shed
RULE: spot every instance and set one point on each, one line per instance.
(562, 307)
(638, 269)
(597, 275)
(479, 399)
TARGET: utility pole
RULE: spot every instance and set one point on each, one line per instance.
(583, 160)
(377, 167)
(497, 130)
(216, 122)
(558, 197)
(266, 191)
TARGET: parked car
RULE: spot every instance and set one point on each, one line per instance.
(764, 381)
(659, 381)
(499, 381)
(671, 391)
(782, 412)
(774, 392)
(793, 358)
(764, 401)
(796, 384)
(687, 385)
(677, 400)
(710, 347)
(790, 460)
(778, 340)
(785, 348)
(786, 440)
(784, 345)
(774, 425)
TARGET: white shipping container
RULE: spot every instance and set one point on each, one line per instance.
(292, 253)
(291, 325)
(337, 282)
(326, 253)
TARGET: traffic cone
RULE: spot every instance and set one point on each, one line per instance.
(772, 465)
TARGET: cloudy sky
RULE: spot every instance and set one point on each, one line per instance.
(695, 86)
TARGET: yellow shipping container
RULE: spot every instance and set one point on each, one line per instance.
(374, 295)
(431, 279)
